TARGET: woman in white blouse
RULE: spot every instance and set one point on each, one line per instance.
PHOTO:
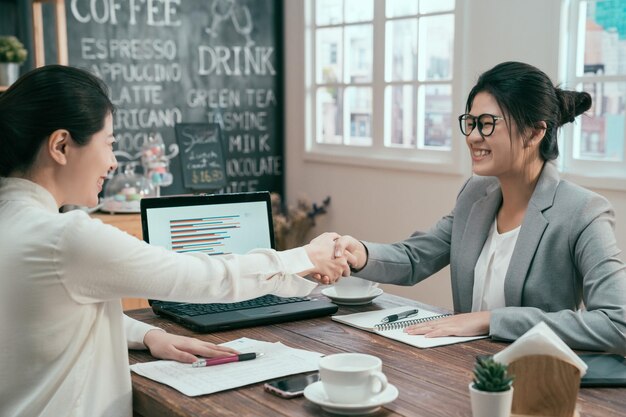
(64, 338)
(523, 245)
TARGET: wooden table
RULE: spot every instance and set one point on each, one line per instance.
(432, 382)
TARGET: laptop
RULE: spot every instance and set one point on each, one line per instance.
(220, 224)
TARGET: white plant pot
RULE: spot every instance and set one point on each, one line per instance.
(490, 404)
(9, 73)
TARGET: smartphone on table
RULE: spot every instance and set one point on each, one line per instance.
(291, 386)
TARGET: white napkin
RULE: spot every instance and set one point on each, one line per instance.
(540, 340)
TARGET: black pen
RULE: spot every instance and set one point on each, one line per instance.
(403, 315)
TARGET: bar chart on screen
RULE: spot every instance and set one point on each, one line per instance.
(208, 235)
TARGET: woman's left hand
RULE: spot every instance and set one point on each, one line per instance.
(469, 324)
(184, 349)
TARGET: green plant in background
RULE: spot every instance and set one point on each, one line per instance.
(491, 376)
(12, 50)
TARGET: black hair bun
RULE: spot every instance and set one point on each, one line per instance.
(572, 104)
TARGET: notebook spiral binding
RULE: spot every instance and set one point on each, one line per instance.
(405, 323)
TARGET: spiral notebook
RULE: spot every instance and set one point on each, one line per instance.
(371, 322)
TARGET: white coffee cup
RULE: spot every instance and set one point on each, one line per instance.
(352, 378)
(352, 287)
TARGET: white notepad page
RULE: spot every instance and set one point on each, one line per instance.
(368, 320)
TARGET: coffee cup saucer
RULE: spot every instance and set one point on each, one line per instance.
(331, 293)
(316, 394)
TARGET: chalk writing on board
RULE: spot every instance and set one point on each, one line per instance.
(186, 61)
(202, 155)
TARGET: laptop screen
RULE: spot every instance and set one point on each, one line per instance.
(212, 224)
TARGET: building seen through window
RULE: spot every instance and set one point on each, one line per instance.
(415, 77)
(601, 70)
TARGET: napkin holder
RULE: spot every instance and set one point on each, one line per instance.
(544, 386)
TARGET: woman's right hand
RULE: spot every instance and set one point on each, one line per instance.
(327, 267)
(353, 249)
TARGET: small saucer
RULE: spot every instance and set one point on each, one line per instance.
(351, 301)
(315, 393)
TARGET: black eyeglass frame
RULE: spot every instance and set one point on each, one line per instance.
(477, 122)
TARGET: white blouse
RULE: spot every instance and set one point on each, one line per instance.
(63, 337)
(491, 268)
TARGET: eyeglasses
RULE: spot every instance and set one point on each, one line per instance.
(486, 123)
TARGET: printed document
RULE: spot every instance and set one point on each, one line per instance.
(278, 360)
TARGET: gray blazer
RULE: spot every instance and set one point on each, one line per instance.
(565, 269)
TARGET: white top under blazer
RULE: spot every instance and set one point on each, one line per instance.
(491, 268)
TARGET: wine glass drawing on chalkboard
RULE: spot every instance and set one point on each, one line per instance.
(229, 9)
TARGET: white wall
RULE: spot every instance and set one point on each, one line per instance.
(386, 205)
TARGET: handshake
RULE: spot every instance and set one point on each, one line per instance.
(333, 255)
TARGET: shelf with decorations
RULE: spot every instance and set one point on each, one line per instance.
(125, 188)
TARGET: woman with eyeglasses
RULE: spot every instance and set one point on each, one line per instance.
(523, 245)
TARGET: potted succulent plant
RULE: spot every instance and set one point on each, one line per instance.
(12, 55)
(491, 390)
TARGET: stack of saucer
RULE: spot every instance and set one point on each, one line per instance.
(352, 300)
(315, 393)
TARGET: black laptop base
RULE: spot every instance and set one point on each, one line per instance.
(312, 307)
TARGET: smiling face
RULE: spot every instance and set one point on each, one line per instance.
(88, 165)
(498, 154)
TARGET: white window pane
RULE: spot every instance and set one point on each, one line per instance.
(605, 38)
(401, 50)
(358, 53)
(329, 115)
(436, 42)
(601, 129)
(328, 12)
(431, 6)
(359, 10)
(400, 102)
(396, 8)
(359, 116)
(435, 116)
(329, 55)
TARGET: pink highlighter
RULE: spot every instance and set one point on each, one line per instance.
(227, 359)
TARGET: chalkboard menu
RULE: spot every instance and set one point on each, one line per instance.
(201, 155)
(189, 61)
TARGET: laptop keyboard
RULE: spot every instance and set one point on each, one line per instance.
(199, 309)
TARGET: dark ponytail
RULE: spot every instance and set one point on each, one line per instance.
(527, 96)
(44, 100)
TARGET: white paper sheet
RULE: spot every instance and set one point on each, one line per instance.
(277, 360)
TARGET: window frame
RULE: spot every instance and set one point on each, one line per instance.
(378, 155)
(599, 174)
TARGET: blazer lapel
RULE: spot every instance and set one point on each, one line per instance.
(475, 234)
(533, 226)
